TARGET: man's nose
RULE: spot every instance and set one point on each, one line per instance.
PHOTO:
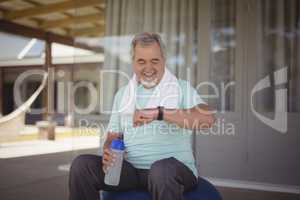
(148, 67)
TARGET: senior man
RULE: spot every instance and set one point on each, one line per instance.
(155, 114)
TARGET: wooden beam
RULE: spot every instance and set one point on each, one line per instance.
(71, 95)
(39, 21)
(73, 20)
(48, 53)
(18, 68)
(101, 8)
(2, 1)
(51, 8)
(26, 31)
(1, 91)
(33, 2)
(46, 91)
(51, 80)
(98, 30)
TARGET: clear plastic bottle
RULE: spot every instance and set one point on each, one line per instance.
(112, 176)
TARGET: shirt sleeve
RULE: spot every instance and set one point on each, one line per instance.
(190, 97)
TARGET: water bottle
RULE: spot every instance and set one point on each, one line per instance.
(112, 176)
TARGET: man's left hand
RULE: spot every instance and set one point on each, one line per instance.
(144, 116)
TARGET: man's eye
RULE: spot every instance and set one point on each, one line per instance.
(154, 61)
(141, 62)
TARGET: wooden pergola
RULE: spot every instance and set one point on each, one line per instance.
(59, 21)
(70, 18)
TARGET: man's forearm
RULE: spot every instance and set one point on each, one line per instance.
(194, 118)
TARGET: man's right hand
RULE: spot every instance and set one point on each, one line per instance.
(108, 157)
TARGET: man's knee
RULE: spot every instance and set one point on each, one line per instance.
(162, 171)
(83, 162)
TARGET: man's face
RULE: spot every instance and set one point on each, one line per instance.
(148, 64)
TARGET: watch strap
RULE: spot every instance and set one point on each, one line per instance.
(160, 116)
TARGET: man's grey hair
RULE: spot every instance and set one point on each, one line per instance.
(145, 39)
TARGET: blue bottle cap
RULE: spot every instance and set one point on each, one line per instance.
(117, 144)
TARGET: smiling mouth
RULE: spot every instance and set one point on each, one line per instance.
(149, 76)
(148, 79)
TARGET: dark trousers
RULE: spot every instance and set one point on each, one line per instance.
(167, 179)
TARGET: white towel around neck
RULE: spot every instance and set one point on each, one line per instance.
(165, 94)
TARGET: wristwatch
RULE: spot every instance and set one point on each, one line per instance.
(160, 116)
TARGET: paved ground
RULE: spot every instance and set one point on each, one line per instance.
(243, 194)
(45, 177)
(41, 147)
(36, 177)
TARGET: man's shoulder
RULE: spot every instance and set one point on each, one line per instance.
(120, 92)
(184, 84)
